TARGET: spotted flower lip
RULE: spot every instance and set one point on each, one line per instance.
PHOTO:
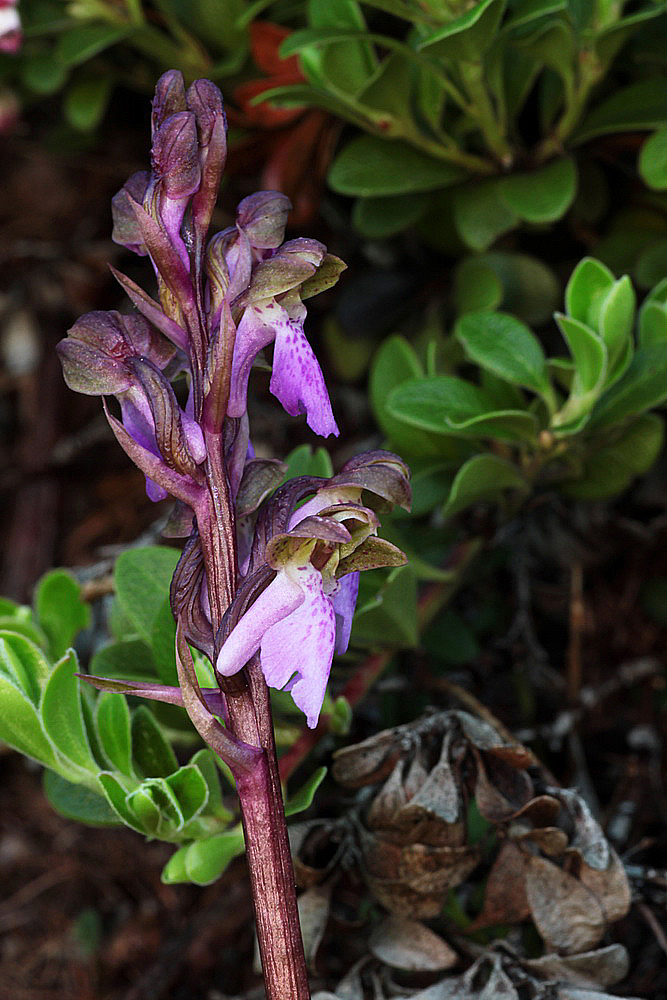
(305, 614)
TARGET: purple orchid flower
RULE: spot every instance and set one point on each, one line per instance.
(305, 614)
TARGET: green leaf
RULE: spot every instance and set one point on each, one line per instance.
(204, 861)
(78, 802)
(116, 796)
(617, 317)
(477, 286)
(148, 815)
(303, 799)
(381, 217)
(430, 403)
(86, 101)
(373, 167)
(430, 485)
(609, 469)
(651, 264)
(153, 757)
(587, 350)
(653, 160)
(142, 578)
(25, 663)
(481, 215)
(639, 106)
(395, 363)
(585, 291)
(652, 324)
(483, 477)
(308, 461)
(25, 627)
(543, 195)
(163, 644)
(530, 289)
(60, 610)
(643, 386)
(62, 715)
(345, 65)
(19, 722)
(129, 658)
(112, 718)
(80, 44)
(505, 346)
(467, 36)
(525, 12)
(43, 73)
(205, 760)
(190, 790)
(445, 404)
(390, 617)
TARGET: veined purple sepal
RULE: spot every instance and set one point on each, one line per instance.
(151, 310)
(263, 217)
(176, 175)
(126, 231)
(97, 351)
(153, 466)
(178, 437)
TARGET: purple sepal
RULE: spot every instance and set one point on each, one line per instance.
(152, 466)
(126, 231)
(263, 217)
(151, 310)
(344, 601)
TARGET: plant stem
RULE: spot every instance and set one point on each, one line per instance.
(260, 795)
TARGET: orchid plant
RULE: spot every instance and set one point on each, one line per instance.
(267, 582)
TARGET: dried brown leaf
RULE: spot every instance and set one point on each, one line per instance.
(314, 905)
(550, 840)
(501, 790)
(566, 913)
(610, 887)
(408, 944)
(388, 801)
(505, 900)
(599, 968)
(368, 762)
(588, 840)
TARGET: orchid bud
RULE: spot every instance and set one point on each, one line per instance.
(262, 217)
(174, 156)
(169, 98)
(205, 102)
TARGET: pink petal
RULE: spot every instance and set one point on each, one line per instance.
(283, 595)
(302, 645)
(253, 333)
(297, 379)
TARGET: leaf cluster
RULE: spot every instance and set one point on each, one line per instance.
(110, 760)
(491, 418)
